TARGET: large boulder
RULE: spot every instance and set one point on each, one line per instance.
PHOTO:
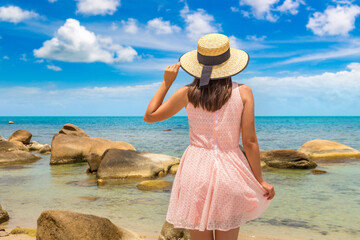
(119, 164)
(65, 225)
(6, 146)
(17, 157)
(21, 135)
(154, 185)
(12, 153)
(4, 216)
(71, 144)
(71, 129)
(286, 158)
(320, 148)
(168, 232)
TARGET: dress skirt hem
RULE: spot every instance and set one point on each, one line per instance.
(191, 227)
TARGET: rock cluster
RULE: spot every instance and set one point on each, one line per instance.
(14, 151)
(287, 158)
(71, 145)
(320, 148)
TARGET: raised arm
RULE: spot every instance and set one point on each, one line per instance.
(158, 111)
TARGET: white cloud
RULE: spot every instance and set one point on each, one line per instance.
(97, 100)
(336, 93)
(54, 68)
(246, 45)
(178, 42)
(5, 57)
(39, 61)
(255, 38)
(339, 20)
(198, 22)
(130, 26)
(113, 26)
(353, 50)
(97, 7)
(23, 57)
(15, 14)
(162, 27)
(342, 84)
(68, 95)
(343, 1)
(175, 42)
(268, 9)
(148, 64)
(290, 6)
(234, 42)
(326, 94)
(52, 1)
(245, 13)
(234, 9)
(261, 9)
(74, 43)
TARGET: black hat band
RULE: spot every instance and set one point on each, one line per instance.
(208, 62)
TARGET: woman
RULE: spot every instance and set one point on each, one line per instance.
(215, 188)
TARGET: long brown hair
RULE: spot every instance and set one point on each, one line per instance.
(212, 97)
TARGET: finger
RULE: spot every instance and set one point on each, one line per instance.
(178, 65)
(271, 197)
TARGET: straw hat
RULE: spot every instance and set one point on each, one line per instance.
(214, 59)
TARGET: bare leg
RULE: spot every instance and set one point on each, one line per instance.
(201, 235)
(232, 234)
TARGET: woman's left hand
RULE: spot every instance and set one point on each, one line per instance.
(171, 73)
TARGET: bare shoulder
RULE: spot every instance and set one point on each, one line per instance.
(244, 88)
(183, 91)
(245, 92)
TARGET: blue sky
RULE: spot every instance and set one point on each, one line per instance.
(107, 57)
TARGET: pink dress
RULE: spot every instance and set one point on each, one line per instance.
(214, 187)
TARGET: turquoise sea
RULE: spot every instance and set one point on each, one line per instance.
(306, 206)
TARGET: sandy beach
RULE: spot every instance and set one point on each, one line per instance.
(144, 235)
(17, 237)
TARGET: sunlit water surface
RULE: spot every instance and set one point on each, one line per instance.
(306, 206)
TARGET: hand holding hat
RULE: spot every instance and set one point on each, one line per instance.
(171, 73)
